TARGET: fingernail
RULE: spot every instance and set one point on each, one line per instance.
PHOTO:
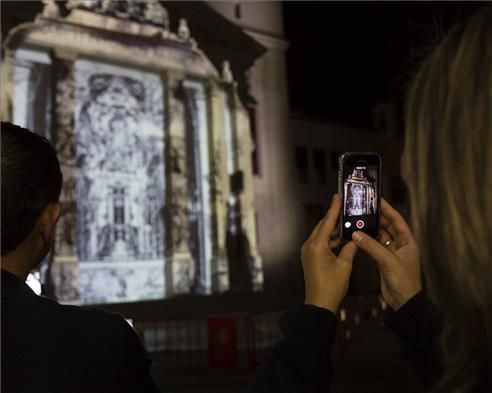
(357, 236)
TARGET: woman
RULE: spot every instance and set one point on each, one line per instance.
(447, 165)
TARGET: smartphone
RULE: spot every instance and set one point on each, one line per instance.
(359, 185)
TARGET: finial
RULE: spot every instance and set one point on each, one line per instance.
(50, 9)
(183, 29)
(226, 72)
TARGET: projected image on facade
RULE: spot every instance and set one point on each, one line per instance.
(149, 135)
(119, 131)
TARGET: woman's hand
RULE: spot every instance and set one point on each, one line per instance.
(326, 276)
(397, 257)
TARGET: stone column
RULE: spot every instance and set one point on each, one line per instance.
(180, 269)
(65, 268)
(219, 184)
(243, 148)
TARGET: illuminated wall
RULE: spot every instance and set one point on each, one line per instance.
(148, 135)
(120, 182)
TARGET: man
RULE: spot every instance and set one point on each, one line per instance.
(48, 347)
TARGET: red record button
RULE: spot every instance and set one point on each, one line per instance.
(359, 224)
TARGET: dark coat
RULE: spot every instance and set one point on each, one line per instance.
(49, 347)
(300, 362)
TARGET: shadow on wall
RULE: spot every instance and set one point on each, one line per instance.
(238, 251)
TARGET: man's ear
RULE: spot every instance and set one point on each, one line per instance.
(48, 220)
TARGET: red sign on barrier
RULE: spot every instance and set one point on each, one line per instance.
(222, 343)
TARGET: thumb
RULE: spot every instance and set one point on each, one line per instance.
(381, 255)
(347, 253)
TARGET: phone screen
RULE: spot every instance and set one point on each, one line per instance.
(360, 190)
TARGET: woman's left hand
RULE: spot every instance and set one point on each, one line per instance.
(326, 275)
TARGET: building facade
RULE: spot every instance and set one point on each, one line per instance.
(275, 193)
(154, 145)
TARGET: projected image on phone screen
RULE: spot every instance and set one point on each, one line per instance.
(360, 191)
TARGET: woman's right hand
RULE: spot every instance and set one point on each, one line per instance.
(398, 257)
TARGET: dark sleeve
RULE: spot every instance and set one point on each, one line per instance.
(418, 323)
(132, 365)
(300, 361)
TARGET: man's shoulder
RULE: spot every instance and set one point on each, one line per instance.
(89, 313)
(107, 323)
(78, 320)
(85, 344)
(93, 319)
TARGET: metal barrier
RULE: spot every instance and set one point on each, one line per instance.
(238, 341)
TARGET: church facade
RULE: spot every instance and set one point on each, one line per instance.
(155, 149)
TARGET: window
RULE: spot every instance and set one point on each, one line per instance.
(320, 165)
(237, 10)
(302, 164)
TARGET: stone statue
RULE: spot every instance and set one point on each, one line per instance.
(183, 30)
(226, 72)
(50, 9)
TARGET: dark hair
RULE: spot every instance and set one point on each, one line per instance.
(31, 180)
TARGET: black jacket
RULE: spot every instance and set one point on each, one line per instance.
(48, 347)
(300, 361)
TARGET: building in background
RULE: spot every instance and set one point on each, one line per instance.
(316, 147)
(295, 157)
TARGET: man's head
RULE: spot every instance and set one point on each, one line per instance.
(31, 184)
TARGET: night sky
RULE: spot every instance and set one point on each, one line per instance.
(345, 57)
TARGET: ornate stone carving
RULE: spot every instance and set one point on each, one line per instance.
(142, 11)
(157, 14)
(216, 175)
(220, 278)
(159, 55)
(179, 218)
(184, 278)
(177, 210)
(65, 148)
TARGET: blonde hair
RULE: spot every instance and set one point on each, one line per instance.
(448, 168)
